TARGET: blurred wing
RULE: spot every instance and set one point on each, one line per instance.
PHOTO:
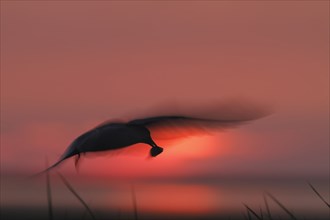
(199, 118)
(176, 127)
(202, 118)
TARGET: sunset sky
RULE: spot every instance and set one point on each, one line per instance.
(68, 66)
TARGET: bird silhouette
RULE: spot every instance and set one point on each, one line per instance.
(115, 135)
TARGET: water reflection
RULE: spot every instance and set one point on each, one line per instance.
(216, 198)
(171, 198)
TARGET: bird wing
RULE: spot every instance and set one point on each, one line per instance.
(201, 119)
(177, 127)
(221, 114)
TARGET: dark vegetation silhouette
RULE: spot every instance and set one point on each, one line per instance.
(250, 213)
(253, 214)
(134, 201)
(49, 195)
(319, 195)
(71, 189)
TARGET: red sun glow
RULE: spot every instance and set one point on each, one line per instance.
(134, 162)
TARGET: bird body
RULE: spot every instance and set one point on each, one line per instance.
(109, 137)
(112, 136)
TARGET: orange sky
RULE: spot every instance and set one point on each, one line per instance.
(67, 66)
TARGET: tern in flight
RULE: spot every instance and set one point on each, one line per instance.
(112, 136)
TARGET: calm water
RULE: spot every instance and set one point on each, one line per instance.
(160, 199)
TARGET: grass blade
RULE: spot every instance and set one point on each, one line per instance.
(261, 213)
(245, 216)
(248, 215)
(67, 184)
(319, 195)
(49, 194)
(281, 205)
(251, 211)
(134, 202)
(267, 207)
